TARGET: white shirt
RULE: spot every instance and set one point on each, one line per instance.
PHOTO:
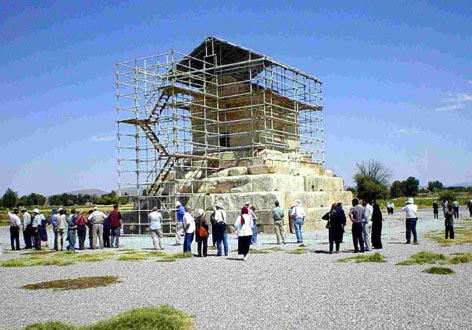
(14, 220)
(246, 229)
(220, 216)
(97, 217)
(455, 203)
(368, 212)
(37, 220)
(61, 221)
(190, 221)
(155, 220)
(392, 205)
(410, 210)
(298, 212)
(26, 219)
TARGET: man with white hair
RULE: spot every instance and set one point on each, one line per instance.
(411, 218)
(155, 228)
(179, 227)
(97, 218)
(298, 214)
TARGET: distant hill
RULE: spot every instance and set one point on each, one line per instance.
(96, 192)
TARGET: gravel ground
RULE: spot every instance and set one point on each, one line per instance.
(268, 291)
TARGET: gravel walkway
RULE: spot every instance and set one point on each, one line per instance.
(269, 291)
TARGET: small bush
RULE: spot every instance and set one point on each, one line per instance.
(439, 270)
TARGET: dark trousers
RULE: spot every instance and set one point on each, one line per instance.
(202, 242)
(331, 246)
(106, 237)
(188, 242)
(36, 234)
(27, 237)
(81, 233)
(357, 239)
(411, 228)
(436, 215)
(15, 237)
(450, 232)
(55, 238)
(90, 237)
(456, 212)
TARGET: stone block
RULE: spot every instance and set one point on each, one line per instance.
(235, 201)
(309, 199)
(323, 183)
(235, 171)
(267, 169)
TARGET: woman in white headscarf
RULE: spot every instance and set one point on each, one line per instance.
(244, 225)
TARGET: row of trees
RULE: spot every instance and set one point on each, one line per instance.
(10, 199)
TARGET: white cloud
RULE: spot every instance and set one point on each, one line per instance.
(104, 138)
(405, 131)
(456, 106)
(461, 97)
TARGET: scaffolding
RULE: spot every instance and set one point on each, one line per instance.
(182, 118)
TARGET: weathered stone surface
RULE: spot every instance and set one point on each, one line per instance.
(268, 169)
(235, 171)
(305, 171)
(234, 201)
(309, 199)
(323, 183)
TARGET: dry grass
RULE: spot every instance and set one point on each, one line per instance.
(462, 235)
(53, 258)
(133, 256)
(74, 284)
(297, 251)
(376, 257)
(439, 271)
(275, 248)
(258, 251)
(428, 257)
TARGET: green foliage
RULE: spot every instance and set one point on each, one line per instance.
(297, 251)
(410, 187)
(9, 198)
(376, 257)
(396, 189)
(447, 195)
(439, 271)
(152, 318)
(32, 199)
(74, 283)
(423, 257)
(369, 190)
(435, 186)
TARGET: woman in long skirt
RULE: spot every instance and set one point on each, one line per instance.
(244, 227)
(377, 227)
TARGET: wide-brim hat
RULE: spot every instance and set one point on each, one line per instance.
(177, 204)
(36, 211)
(200, 212)
(219, 205)
(23, 209)
(409, 201)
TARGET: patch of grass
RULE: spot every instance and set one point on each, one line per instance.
(303, 245)
(297, 251)
(153, 318)
(376, 257)
(74, 284)
(127, 250)
(136, 256)
(439, 270)
(39, 252)
(258, 251)
(423, 257)
(460, 258)
(275, 248)
(31, 262)
(462, 235)
(154, 254)
(48, 258)
(180, 255)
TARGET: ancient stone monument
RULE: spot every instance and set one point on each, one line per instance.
(221, 124)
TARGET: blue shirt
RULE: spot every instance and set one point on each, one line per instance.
(53, 220)
(180, 213)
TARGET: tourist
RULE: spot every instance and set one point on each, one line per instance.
(155, 228)
(97, 218)
(337, 223)
(106, 232)
(71, 231)
(27, 228)
(61, 228)
(213, 229)
(179, 225)
(298, 214)
(455, 205)
(252, 214)
(469, 206)
(444, 206)
(220, 227)
(243, 225)
(376, 227)
(291, 219)
(435, 210)
(387, 205)
(189, 228)
(115, 222)
(201, 231)
(15, 228)
(449, 222)
(54, 226)
(411, 218)
(392, 208)
(278, 217)
(356, 214)
(36, 224)
(90, 231)
(43, 231)
(367, 221)
(81, 223)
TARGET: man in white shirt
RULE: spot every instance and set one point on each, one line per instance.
(155, 228)
(15, 227)
(455, 206)
(97, 218)
(410, 210)
(27, 228)
(368, 209)
(219, 216)
(189, 227)
(298, 214)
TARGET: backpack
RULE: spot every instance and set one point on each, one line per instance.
(213, 218)
(202, 232)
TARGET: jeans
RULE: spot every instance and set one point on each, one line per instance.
(298, 223)
(97, 232)
(71, 237)
(279, 231)
(366, 235)
(450, 231)
(254, 234)
(59, 238)
(411, 228)
(222, 238)
(188, 242)
(357, 239)
(15, 237)
(115, 237)
(202, 242)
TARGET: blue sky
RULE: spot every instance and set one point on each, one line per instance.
(397, 79)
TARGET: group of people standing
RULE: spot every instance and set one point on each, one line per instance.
(35, 228)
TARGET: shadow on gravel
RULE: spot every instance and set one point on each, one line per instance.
(320, 251)
(235, 259)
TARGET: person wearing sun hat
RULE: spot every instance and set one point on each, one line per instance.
(219, 216)
(410, 210)
(201, 233)
(38, 219)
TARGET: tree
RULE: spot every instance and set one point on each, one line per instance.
(447, 195)
(375, 171)
(396, 189)
(435, 185)
(368, 189)
(10, 198)
(410, 187)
